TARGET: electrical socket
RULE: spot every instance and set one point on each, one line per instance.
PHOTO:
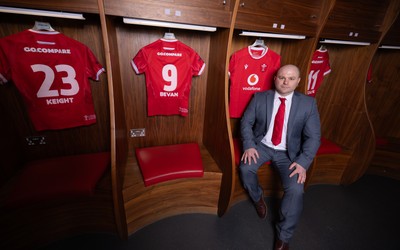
(138, 132)
(35, 140)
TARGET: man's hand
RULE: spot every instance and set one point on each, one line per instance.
(250, 154)
(298, 169)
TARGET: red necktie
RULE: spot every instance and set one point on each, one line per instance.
(278, 124)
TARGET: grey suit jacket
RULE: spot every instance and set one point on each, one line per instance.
(303, 130)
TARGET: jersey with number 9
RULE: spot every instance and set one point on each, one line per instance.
(169, 66)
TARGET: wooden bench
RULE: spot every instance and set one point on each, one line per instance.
(327, 168)
(329, 164)
(55, 198)
(385, 161)
(145, 204)
(269, 179)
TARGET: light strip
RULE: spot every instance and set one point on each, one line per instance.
(35, 12)
(389, 47)
(343, 42)
(273, 35)
(168, 24)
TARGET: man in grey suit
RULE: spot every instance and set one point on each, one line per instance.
(291, 154)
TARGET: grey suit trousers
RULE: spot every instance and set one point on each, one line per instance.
(292, 200)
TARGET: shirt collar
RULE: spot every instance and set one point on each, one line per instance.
(288, 97)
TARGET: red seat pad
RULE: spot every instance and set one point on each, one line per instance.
(237, 147)
(61, 177)
(328, 147)
(381, 141)
(163, 163)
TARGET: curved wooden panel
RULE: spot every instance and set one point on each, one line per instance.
(216, 130)
(383, 93)
(118, 133)
(340, 100)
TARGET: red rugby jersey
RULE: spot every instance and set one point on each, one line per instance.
(251, 70)
(319, 68)
(169, 66)
(51, 71)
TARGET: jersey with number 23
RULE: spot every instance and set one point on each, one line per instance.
(51, 71)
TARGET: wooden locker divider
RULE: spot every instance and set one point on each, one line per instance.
(212, 135)
(119, 145)
(382, 95)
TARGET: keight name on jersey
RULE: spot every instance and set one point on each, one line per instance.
(63, 100)
(47, 50)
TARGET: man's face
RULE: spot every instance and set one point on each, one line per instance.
(286, 80)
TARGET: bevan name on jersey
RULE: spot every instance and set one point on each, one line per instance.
(47, 50)
(169, 94)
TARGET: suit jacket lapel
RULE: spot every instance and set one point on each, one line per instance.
(270, 106)
(293, 111)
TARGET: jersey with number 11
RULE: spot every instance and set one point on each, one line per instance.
(51, 71)
(169, 66)
(319, 68)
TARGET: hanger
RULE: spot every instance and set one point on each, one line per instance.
(322, 48)
(42, 26)
(259, 43)
(169, 36)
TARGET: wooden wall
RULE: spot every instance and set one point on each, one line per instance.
(160, 130)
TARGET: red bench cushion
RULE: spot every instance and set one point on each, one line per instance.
(381, 141)
(328, 147)
(61, 177)
(237, 147)
(163, 163)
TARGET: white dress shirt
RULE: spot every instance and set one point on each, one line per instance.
(267, 138)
